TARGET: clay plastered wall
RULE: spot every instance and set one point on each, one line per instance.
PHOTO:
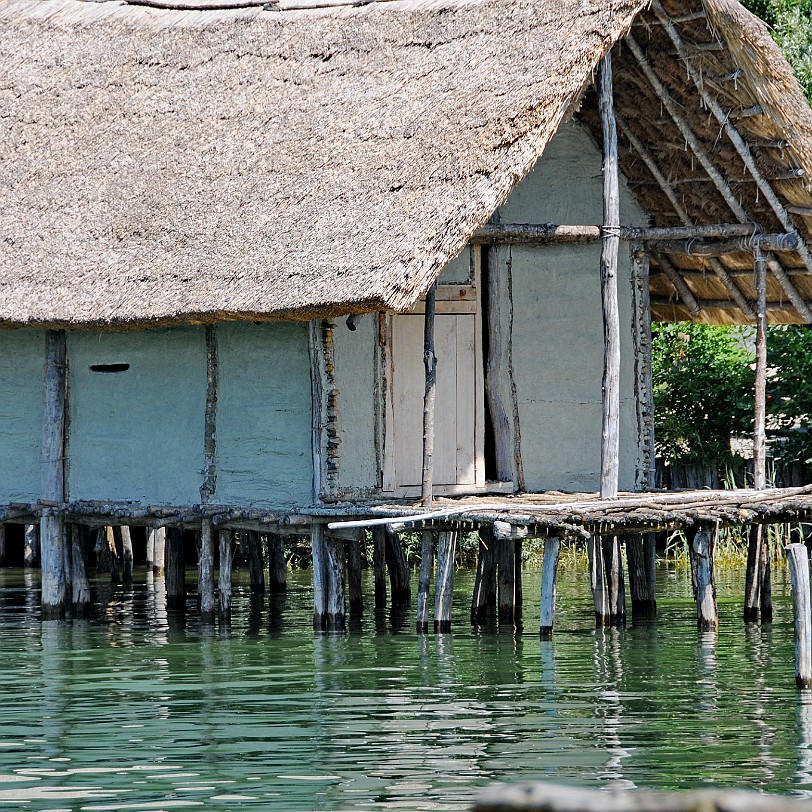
(22, 369)
(558, 327)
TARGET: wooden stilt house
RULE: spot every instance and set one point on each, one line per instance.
(237, 236)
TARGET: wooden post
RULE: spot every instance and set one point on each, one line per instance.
(356, 596)
(256, 563)
(150, 552)
(80, 536)
(399, 576)
(641, 556)
(798, 558)
(483, 600)
(764, 577)
(752, 588)
(610, 432)
(112, 557)
(224, 576)
(701, 549)
(319, 551)
(430, 364)
(277, 564)
(444, 580)
(54, 556)
(597, 577)
(31, 548)
(209, 485)
(126, 554)
(509, 580)
(424, 580)
(159, 561)
(175, 569)
(613, 560)
(549, 567)
(334, 583)
(759, 437)
(379, 565)
(205, 571)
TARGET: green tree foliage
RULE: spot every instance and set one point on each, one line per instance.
(791, 24)
(703, 391)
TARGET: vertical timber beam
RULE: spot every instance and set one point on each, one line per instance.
(159, 559)
(209, 485)
(277, 564)
(701, 548)
(53, 552)
(798, 558)
(483, 601)
(175, 570)
(224, 577)
(319, 552)
(616, 582)
(641, 557)
(424, 580)
(597, 578)
(335, 589)
(444, 580)
(316, 397)
(31, 546)
(644, 387)
(354, 585)
(430, 364)
(379, 565)
(549, 567)
(205, 571)
(126, 554)
(759, 438)
(610, 431)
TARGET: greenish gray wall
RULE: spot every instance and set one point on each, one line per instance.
(137, 435)
(22, 371)
(354, 362)
(558, 327)
(263, 415)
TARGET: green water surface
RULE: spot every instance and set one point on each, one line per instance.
(138, 710)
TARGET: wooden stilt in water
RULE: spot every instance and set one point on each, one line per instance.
(549, 567)
(356, 596)
(798, 559)
(597, 577)
(334, 571)
(150, 552)
(126, 554)
(277, 564)
(319, 551)
(256, 562)
(80, 537)
(765, 578)
(399, 575)
(205, 572)
(483, 601)
(751, 585)
(616, 586)
(102, 550)
(701, 549)
(509, 580)
(159, 561)
(31, 546)
(113, 558)
(379, 565)
(641, 552)
(430, 365)
(224, 576)
(424, 580)
(175, 569)
(54, 555)
(444, 580)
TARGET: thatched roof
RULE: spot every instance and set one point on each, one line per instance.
(167, 166)
(163, 166)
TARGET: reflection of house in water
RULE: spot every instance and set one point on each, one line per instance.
(232, 236)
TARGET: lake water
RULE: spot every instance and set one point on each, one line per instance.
(135, 711)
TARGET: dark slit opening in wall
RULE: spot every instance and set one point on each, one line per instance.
(109, 367)
(490, 442)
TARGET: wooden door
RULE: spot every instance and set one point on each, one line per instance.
(459, 404)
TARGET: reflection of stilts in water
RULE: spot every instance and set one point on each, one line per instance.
(156, 605)
(708, 693)
(803, 774)
(758, 650)
(31, 581)
(609, 674)
(55, 641)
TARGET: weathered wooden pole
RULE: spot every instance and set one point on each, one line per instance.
(150, 551)
(319, 553)
(701, 547)
(31, 546)
(80, 536)
(224, 576)
(54, 555)
(355, 592)
(444, 580)
(379, 565)
(610, 431)
(398, 566)
(597, 577)
(759, 436)
(752, 591)
(159, 561)
(508, 555)
(256, 563)
(765, 580)
(641, 554)
(424, 580)
(798, 558)
(549, 567)
(175, 569)
(205, 572)
(277, 564)
(126, 554)
(430, 364)
(336, 612)
(112, 559)
(616, 586)
(483, 601)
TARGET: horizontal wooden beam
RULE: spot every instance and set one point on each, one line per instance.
(719, 248)
(720, 304)
(541, 233)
